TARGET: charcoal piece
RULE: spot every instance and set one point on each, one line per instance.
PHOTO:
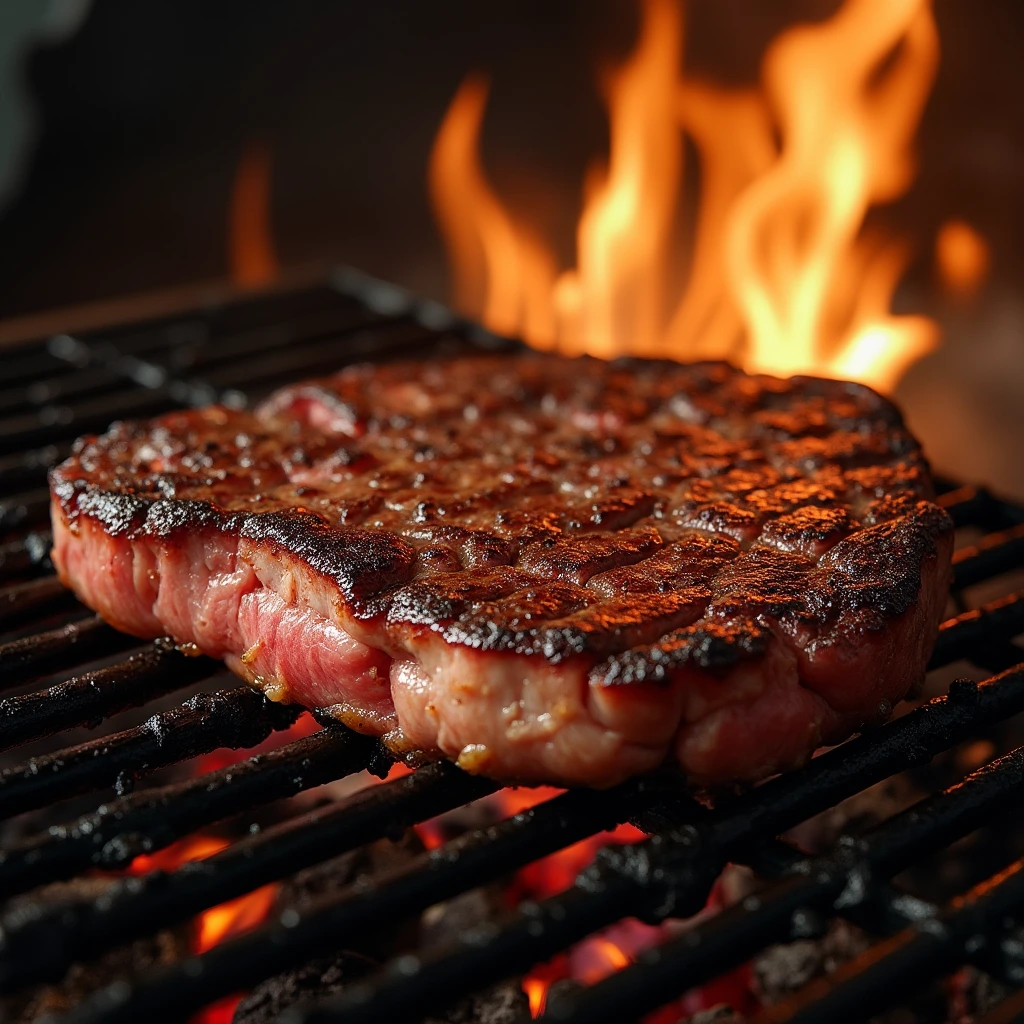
(856, 814)
(447, 922)
(721, 1014)
(504, 1003)
(330, 877)
(85, 978)
(327, 976)
(783, 969)
(313, 982)
(974, 993)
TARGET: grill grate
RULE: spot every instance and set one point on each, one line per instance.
(237, 352)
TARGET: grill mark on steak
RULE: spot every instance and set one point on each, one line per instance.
(361, 563)
(666, 539)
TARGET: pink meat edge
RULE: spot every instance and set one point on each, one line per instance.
(864, 675)
(520, 718)
(201, 593)
(537, 725)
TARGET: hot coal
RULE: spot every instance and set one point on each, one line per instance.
(165, 947)
(504, 1003)
(326, 976)
(320, 979)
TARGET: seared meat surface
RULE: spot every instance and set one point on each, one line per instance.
(547, 569)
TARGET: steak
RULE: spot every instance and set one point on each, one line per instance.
(547, 569)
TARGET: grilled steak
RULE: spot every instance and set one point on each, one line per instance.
(544, 568)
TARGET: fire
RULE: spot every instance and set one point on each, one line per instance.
(536, 990)
(783, 277)
(595, 957)
(250, 240)
(962, 258)
(234, 917)
(219, 923)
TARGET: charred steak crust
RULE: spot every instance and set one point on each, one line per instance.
(687, 537)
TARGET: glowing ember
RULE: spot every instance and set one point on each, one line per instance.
(783, 277)
(219, 923)
(536, 990)
(598, 958)
(962, 258)
(234, 917)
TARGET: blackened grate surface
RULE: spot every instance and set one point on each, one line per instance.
(70, 809)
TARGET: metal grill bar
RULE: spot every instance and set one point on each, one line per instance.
(93, 696)
(739, 932)
(55, 423)
(228, 718)
(141, 905)
(778, 805)
(689, 862)
(26, 556)
(914, 739)
(71, 383)
(977, 506)
(972, 633)
(464, 863)
(33, 600)
(994, 554)
(23, 510)
(539, 931)
(122, 829)
(74, 384)
(28, 467)
(55, 649)
(885, 910)
(928, 951)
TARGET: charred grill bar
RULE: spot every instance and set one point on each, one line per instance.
(236, 352)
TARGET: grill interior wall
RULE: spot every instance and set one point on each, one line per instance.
(74, 800)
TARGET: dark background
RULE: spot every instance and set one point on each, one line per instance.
(143, 113)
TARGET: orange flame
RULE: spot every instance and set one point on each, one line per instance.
(250, 239)
(500, 269)
(848, 95)
(536, 990)
(218, 923)
(234, 917)
(625, 233)
(962, 258)
(782, 277)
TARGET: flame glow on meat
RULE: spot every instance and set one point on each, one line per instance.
(783, 275)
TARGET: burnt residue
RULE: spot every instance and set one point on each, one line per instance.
(711, 646)
(361, 563)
